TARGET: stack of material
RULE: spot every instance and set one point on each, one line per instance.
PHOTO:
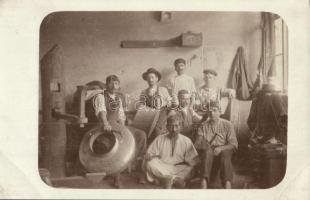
(268, 164)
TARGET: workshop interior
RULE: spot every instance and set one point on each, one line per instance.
(79, 50)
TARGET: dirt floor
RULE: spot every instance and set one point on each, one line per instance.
(130, 181)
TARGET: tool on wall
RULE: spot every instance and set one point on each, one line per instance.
(188, 39)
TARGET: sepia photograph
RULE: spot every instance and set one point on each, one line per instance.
(163, 100)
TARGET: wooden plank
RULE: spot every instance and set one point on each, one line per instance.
(140, 44)
(151, 43)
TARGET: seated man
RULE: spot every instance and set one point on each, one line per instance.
(216, 141)
(186, 113)
(105, 106)
(171, 156)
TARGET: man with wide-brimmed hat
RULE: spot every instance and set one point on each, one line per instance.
(154, 96)
(216, 141)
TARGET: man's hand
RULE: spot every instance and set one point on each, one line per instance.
(232, 94)
(217, 150)
(106, 127)
(149, 157)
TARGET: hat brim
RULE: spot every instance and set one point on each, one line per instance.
(144, 75)
(214, 73)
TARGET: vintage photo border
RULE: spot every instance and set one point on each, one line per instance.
(20, 22)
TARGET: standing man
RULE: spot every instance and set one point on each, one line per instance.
(105, 106)
(181, 81)
(171, 157)
(216, 141)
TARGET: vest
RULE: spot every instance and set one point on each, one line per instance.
(112, 107)
(153, 101)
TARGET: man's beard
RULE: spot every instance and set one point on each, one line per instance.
(173, 134)
(112, 91)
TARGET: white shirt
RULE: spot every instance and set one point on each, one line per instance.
(181, 82)
(99, 103)
(184, 150)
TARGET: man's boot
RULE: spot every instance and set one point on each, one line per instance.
(203, 183)
(168, 183)
(228, 185)
(117, 181)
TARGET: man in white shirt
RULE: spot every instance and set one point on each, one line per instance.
(181, 81)
(171, 156)
(105, 106)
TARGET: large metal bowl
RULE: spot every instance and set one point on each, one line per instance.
(107, 152)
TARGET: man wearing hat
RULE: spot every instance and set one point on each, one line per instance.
(181, 81)
(216, 141)
(154, 96)
(210, 92)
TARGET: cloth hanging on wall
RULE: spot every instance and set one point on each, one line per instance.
(239, 77)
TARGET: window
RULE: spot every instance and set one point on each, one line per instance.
(281, 58)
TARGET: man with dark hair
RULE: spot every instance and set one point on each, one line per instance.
(181, 81)
(216, 141)
(105, 106)
(186, 113)
(171, 157)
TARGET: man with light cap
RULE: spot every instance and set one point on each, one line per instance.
(210, 91)
(181, 81)
(216, 142)
(171, 157)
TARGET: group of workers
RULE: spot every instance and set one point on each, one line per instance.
(176, 150)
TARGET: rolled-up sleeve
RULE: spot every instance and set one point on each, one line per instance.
(165, 96)
(99, 104)
(227, 92)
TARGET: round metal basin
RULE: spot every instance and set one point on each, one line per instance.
(107, 152)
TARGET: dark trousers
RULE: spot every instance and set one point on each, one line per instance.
(211, 165)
